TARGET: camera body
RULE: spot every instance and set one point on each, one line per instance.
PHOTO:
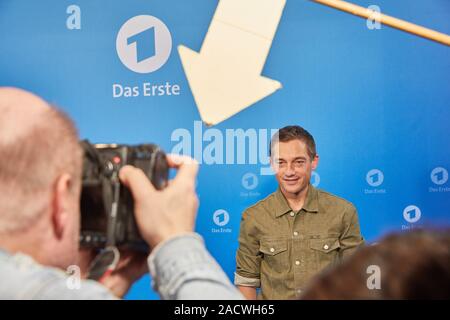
(107, 208)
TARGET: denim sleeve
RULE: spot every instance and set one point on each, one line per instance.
(182, 269)
(22, 278)
(57, 289)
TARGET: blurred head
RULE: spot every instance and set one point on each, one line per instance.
(411, 265)
(293, 157)
(40, 179)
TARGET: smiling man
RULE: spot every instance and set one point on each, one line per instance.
(288, 237)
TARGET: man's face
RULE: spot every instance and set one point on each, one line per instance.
(292, 165)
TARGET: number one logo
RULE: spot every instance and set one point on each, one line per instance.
(145, 44)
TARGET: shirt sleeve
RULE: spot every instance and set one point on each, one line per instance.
(248, 256)
(182, 269)
(36, 282)
(351, 239)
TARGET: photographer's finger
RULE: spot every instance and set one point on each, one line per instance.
(136, 180)
(177, 160)
(187, 169)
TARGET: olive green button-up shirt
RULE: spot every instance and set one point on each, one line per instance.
(280, 250)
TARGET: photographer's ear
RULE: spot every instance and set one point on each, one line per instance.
(62, 204)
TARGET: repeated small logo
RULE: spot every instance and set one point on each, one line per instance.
(144, 44)
(412, 214)
(439, 176)
(249, 181)
(221, 218)
(315, 179)
(375, 178)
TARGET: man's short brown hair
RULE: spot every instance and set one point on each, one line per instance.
(294, 132)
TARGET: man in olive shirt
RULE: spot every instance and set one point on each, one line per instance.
(298, 230)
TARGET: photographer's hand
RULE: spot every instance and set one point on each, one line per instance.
(161, 215)
(131, 266)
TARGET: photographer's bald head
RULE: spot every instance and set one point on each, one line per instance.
(40, 175)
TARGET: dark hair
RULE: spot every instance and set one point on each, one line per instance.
(412, 265)
(290, 133)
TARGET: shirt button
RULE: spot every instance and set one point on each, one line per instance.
(295, 233)
(297, 262)
(292, 214)
(272, 249)
(325, 247)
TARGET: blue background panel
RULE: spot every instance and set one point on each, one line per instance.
(373, 99)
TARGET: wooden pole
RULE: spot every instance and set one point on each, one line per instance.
(387, 20)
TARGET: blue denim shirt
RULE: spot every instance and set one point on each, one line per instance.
(181, 269)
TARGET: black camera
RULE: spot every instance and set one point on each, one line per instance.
(107, 210)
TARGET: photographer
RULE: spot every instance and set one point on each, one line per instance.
(40, 182)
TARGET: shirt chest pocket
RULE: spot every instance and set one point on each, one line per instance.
(274, 255)
(325, 252)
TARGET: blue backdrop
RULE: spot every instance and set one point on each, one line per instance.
(376, 101)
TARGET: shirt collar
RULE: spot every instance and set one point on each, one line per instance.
(311, 202)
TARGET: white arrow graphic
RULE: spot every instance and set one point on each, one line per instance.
(225, 77)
